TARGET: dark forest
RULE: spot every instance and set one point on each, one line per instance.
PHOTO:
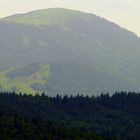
(41, 117)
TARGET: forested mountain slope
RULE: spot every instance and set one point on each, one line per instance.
(80, 52)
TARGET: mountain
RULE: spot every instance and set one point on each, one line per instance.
(67, 52)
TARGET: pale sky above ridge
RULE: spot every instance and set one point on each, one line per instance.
(123, 12)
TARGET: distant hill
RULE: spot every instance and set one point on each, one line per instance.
(76, 53)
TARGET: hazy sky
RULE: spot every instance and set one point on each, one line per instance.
(124, 12)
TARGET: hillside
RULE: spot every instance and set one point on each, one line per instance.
(29, 78)
(84, 53)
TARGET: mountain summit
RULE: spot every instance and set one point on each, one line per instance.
(67, 52)
(51, 16)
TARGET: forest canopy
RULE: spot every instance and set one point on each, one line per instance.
(70, 117)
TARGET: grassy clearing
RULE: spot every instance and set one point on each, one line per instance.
(22, 84)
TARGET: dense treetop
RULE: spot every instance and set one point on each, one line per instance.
(116, 116)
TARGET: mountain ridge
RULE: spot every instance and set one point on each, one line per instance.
(59, 11)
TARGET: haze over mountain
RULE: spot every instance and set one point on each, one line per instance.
(67, 52)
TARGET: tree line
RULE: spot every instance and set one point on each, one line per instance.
(66, 117)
